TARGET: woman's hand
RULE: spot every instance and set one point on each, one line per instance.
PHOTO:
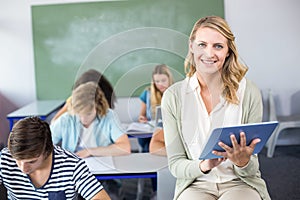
(207, 165)
(239, 154)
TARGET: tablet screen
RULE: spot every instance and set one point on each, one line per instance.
(256, 130)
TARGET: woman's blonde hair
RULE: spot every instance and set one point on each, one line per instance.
(88, 96)
(233, 70)
(156, 94)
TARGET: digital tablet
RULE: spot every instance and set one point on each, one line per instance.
(256, 130)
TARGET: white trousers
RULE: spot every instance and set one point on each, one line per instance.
(232, 190)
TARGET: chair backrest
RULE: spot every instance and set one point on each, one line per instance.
(158, 117)
(272, 107)
(128, 109)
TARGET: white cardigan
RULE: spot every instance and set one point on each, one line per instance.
(181, 164)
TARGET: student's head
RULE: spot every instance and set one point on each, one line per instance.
(95, 76)
(30, 143)
(212, 44)
(88, 101)
(162, 78)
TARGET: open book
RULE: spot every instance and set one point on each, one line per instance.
(149, 126)
(256, 130)
(140, 127)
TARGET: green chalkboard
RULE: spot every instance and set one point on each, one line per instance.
(122, 39)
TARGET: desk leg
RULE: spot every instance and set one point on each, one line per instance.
(140, 189)
(140, 181)
(165, 184)
(11, 124)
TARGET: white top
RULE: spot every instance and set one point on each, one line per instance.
(196, 126)
(87, 138)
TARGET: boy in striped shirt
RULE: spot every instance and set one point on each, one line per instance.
(33, 168)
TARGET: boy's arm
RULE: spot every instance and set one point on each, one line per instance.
(102, 194)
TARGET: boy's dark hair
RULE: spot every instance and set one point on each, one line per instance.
(30, 137)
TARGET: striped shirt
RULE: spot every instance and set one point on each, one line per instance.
(68, 177)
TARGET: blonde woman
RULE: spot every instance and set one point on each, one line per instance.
(215, 93)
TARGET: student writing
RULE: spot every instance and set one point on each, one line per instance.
(162, 78)
(90, 128)
(94, 76)
(31, 167)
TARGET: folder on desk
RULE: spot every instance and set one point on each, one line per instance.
(255, 130)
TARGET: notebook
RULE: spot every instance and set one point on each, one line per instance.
(256, 130)
(148, 127)
(137, 127)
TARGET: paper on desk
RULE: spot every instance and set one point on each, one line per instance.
(99, 164)
(140, 127)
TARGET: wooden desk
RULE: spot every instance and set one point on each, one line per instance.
(40, 108)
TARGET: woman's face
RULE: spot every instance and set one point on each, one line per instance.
(210, 50)
(161, 82)
(86, 118)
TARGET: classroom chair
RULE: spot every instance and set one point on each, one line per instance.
(165, 184)
(285, 122)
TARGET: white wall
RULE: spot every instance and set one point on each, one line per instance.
(17, 84)
(266, 35)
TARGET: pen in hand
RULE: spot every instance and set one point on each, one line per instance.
(143, 119)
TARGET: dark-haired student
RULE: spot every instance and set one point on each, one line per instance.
(33, 168)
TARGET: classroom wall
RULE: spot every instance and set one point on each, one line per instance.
(17, 85)
(266, 35)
